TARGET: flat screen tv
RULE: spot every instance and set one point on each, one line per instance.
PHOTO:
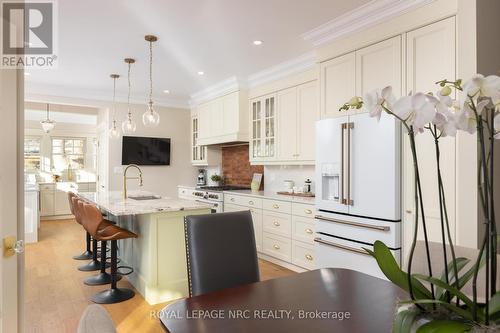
(145, 151)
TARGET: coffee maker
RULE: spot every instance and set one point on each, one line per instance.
(202, 177)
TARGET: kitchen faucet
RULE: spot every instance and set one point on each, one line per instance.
(125, 178)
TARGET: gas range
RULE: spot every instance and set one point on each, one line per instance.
(214, 193)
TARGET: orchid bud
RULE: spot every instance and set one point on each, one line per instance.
(355, 101)
(446, 91)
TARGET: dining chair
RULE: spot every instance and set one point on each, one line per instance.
(437, 263)
(220, 251)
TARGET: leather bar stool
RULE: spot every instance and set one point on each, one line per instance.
(88, 253)
(94, 264)
(103, 230)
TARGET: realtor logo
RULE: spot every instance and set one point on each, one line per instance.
(28, 34)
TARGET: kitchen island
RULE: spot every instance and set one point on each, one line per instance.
(158, 255)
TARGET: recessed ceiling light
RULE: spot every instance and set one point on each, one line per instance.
(257, 42)
(166, 91)
(201, 73)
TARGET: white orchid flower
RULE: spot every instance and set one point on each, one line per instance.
(480, 86)
(445, 119)
(466, 119)
(375, 101)
(416, 110)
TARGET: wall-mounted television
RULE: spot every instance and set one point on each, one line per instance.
(145, 151)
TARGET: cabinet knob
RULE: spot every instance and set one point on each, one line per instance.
(250, 203)
(408, 211)
(276, 247)
(276, 223)
(275, 206)
(232, 199)
(309, 257)
(308, 211)
(309, 231)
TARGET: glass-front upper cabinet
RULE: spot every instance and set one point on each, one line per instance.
(198, 153)
(263, 122)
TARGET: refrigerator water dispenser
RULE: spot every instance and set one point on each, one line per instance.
(330, 182)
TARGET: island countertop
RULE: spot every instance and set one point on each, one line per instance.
(114, 203)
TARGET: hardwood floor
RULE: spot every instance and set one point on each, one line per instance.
(55, 295)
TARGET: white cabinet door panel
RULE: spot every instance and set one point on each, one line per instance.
(46, 203)
(307, 115)
(287, 125)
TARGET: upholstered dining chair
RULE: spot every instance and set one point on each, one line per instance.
(221, 251)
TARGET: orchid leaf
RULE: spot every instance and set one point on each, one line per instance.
(404, 321)
(458, 310)
(494, 304)
(444, 326)
(461, 263)
(391, 270)
(452, 290)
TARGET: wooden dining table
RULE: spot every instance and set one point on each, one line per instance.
(325, 300)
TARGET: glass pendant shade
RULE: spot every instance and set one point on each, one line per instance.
(128, 126)
(150, 118)
(48, 125)
(114, 133)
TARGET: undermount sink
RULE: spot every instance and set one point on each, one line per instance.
(144, 197)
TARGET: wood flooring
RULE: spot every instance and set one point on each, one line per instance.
(55, 295)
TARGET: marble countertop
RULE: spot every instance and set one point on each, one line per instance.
(274, 196)
(116, 205)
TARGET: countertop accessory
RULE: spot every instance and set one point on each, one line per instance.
(305, 195)
(289, 185)
(256, 181)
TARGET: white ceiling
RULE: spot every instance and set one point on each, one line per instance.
(214, 36)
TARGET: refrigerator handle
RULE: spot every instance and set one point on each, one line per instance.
(343, 201)
(349, 201)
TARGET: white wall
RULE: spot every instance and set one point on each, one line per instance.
(174, 124)
(274, 175)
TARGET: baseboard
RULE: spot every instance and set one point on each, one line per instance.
(56, 217)
(281, 263)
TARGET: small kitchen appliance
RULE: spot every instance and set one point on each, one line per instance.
(202, 177)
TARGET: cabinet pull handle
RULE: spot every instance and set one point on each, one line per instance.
(309, 231)
(355, 224)
(350, 126)
(276, 247)
(309, 257)
(339, 246)
(342, 187)
(408, 211)
(276, 223)
(250, 203)
(276, 206)
(308, 211)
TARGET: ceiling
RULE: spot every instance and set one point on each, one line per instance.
(214, 36)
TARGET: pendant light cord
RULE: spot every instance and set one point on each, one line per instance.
(150, 73)
(114, 102)
(128, 96)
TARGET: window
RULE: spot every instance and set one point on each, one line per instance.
(68, 153)
(32, 153)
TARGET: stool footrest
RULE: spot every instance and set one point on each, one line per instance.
(131, 270)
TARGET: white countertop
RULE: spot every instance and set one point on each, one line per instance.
(116, 205)
(273, 195)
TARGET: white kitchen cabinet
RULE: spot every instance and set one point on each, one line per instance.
(61, 203)
(307, 115)
(47, 199)
(423, 69)
(201, 155)
(379, 66)
(263, 129)
(256, 218)
(224, 119)
(287, 115)
(337, 84)
(31, 216)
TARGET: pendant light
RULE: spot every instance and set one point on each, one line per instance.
(47, 124)
(114, 133)
(128, 125)
(150, 118)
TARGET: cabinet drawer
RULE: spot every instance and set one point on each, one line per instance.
(277, 206)
(243, 200)
(303, 255)
(277, 246)
(277, 223)
(47, 187)
(301, 209)
(303, 229)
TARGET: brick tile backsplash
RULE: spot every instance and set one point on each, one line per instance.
(236, 166)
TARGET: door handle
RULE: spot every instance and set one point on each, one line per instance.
(350, 126)
(342, 199)
(355, 224)
(11, 246)
(340, 246)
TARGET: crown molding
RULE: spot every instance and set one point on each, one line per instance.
(225, 87)
(293, 66)
(40, 92)
(360, 18)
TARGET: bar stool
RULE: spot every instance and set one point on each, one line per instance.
(103, 230)
(94, 264)
(88, 253)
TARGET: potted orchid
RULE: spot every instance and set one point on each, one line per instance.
(437, 298)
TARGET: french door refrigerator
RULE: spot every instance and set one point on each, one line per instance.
(358, 194)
